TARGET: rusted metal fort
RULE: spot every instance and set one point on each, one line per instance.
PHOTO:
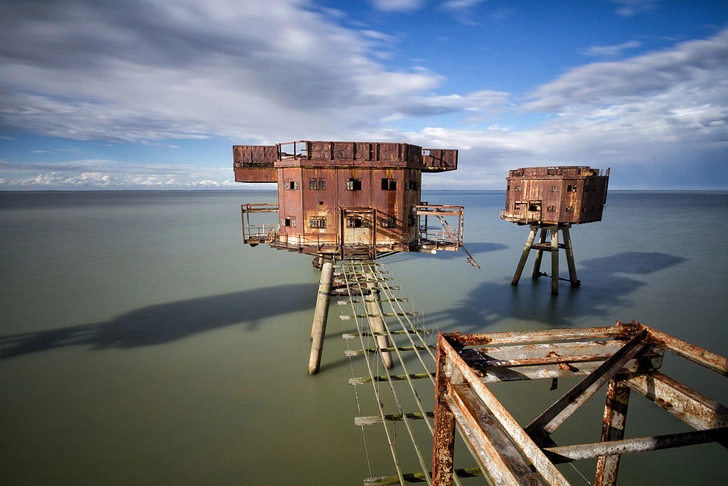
(348, 199)
(349, 203)
(551, 199)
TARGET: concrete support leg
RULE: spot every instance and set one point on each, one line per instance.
(524, 255)
(539, 256)
(555, 260)
(376, 323)
(568, 249)
(320, 315)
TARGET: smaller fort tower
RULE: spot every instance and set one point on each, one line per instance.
(551, 199)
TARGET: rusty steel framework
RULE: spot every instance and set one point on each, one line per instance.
(624, 358)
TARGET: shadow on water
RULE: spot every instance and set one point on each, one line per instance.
(606, 284)
(164, 323)
(473, 248)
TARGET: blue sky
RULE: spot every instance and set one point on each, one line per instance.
(102, 94)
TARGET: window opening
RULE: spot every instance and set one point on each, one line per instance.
(317, 222)
(317, 184)
(388, 222)
(389, 184)
(290, 184)
(353, 185)
(353, 223)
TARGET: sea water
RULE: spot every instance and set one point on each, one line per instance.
(142, 343)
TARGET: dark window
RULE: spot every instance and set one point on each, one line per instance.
(551, 209)
(571, 188)
(410, 185)
(317, 222)
(290, 221)
(353, 185)
(388, 222)
(317, 184)
(569, 209)
(353, 223)
(389, 184)
(290, 184)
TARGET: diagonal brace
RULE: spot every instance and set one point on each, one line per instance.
(546, 423)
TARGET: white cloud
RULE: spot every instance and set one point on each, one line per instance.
(629, 8)
(155, 72)
(398, 5)
(658, 120)
(152, 71)
(106, 174)
(461, 4)
(611, 51)
(694, 70)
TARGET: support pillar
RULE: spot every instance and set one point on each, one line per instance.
(555, 260)
(524, 255)
(575, 282)
(376, 323)
(553, 247)
(321, 313)
(613, 425)
(539, 255)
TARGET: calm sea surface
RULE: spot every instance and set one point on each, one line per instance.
(142, 343)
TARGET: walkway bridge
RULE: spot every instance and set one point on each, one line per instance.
(398, 355)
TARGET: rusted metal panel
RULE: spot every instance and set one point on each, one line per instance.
(254, 155)
(344, 151)
(254, 163)
(439, 160)
(255, 174)
(628, 360)
(321, 150)
(390, 152)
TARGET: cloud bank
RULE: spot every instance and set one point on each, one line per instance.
(146, 71)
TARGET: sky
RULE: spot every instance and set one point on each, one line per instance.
(152, 94)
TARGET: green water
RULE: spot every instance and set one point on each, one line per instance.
(142, 343)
